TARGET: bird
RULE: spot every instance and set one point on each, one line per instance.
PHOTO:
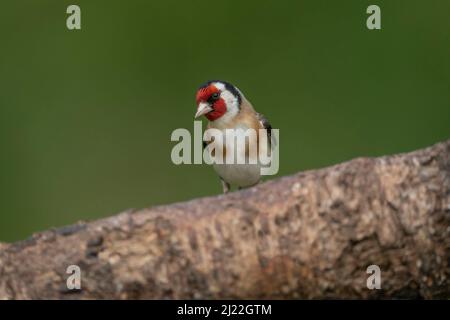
(226, 107)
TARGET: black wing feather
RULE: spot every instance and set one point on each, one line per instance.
(266, 125)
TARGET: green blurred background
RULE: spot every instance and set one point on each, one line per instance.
(86, 116)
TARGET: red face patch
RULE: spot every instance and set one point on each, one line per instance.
(219, 110)
(219, 106)
(205, 93)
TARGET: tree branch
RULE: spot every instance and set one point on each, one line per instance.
(309, 235)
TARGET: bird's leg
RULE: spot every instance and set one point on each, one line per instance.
(225, 186)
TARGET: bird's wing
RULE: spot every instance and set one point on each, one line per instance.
(266, 125)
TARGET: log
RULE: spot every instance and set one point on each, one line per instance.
(310, 235)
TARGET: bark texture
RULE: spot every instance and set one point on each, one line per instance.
(309, 235)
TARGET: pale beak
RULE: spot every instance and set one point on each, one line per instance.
(203, 108)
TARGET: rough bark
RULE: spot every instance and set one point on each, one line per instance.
(309, 235)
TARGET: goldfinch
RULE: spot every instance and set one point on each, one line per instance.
(226, 107)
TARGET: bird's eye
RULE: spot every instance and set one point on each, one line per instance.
(215, 96)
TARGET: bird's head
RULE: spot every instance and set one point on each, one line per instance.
(218, 100)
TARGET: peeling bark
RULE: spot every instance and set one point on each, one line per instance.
(309, 235)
